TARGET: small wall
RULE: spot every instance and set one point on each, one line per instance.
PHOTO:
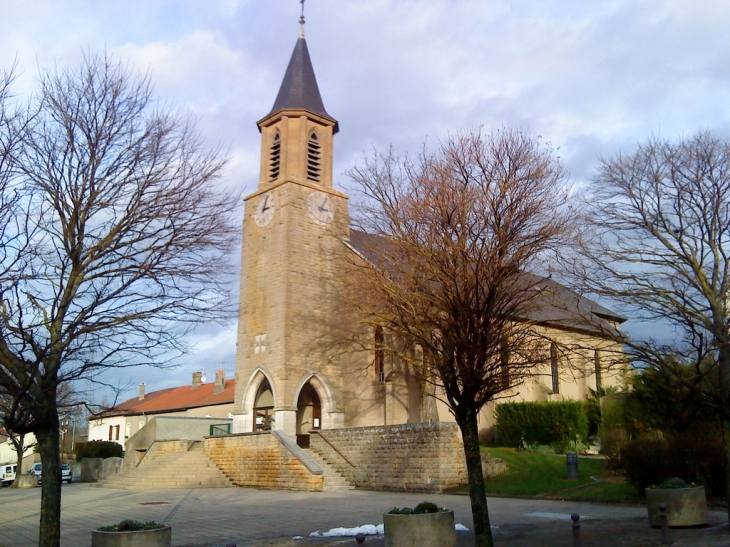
(261, 460)
(75, 471)
(180, 430)
(425, 457)
(90, 469)
(111, 467)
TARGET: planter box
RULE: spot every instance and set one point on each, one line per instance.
(685, 506)
(427, 530)
(162, 537)
(26, 481)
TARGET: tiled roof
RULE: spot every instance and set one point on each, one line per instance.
(556, 304)
(174, 399)
(299, 90)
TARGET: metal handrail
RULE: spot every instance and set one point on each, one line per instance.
(219, 431)
(334, 448)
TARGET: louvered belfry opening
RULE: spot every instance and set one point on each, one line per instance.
(275, 156)
(313, 158)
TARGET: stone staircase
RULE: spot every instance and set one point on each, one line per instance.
(334, 481)
(191, 469)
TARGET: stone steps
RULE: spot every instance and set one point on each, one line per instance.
(334, 481)
(191, 469)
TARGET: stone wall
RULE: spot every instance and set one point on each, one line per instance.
(262, 460)
(425, 457)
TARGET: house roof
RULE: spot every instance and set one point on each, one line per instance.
(556, 305)
(299, 90)
(173, 399)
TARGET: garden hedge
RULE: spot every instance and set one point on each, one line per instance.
(541, 422)
(97, 449)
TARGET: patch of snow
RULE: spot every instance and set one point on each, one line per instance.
(461, 528)
(367, 529)
(297, 538)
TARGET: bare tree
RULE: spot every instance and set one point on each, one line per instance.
(119, 244)
(452, 237)
(661, 246)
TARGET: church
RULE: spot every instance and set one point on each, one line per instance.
(296, 228)
(311, 408)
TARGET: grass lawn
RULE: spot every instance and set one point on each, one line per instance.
(533, 474)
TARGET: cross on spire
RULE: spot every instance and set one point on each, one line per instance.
(301, 20)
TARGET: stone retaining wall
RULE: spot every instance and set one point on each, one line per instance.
(262, 461)
(424, 457)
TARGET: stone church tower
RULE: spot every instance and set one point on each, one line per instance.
(294, 223)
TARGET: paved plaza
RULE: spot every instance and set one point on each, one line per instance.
(250, 517)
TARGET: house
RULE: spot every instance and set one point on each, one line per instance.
(8, 454)
(196, 400)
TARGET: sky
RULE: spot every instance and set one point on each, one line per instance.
(590, 77)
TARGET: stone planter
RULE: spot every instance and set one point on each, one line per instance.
(26, 481)
(426, 530)
(685, 506)
(162, 537)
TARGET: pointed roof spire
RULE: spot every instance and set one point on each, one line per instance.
(299, 90)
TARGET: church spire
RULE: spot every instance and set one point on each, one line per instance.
(299, 90)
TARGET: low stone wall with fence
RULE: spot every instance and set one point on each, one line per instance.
(424, 457)
(264, 460)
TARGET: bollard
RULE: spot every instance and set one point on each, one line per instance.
(665, 524)
(571, 458)
(575, 517)
(360, 538)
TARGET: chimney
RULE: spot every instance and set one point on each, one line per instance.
(141, 391)
(220, 381)
(197, 379)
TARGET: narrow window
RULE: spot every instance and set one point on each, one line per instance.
(597, 365)
(554, 367)
(275, 158)
(313, 158)
(504, 364)
(116, 432)
(111, 432)
(379, 354)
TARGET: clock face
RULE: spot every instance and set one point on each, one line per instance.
(263, 212)
(320, 208)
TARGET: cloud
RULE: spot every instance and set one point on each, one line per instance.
(590, 77)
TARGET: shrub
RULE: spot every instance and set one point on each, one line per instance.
(97, 449)
(673, 484)
(420, 509)
(612, 442)
(131, 525)
(692, 458)
(541, 422)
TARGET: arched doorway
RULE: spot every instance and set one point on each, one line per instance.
(309, 413)
(263, 408)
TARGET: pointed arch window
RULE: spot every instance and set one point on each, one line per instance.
(314, 158)
(554, 370)
(379, 361)
(275, 157)
(504, 364)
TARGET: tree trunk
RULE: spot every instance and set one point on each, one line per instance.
(724, 364)
(50, 525)
(19, 444)
(479, 510)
